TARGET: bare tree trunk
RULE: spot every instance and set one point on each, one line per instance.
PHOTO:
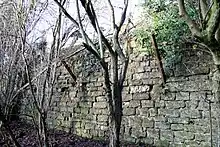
(43, 130)
(116, 114)
(115, 126)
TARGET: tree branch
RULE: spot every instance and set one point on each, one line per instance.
(217, 34)
(117, 29)
(92, 16)
(192, 25)
(203, 8)
(214, 21)
(66, 13)
(112, 13)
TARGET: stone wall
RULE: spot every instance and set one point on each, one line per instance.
(177, 113)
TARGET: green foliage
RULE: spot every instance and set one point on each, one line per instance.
(162, 19)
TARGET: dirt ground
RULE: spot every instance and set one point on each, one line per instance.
(27, 137)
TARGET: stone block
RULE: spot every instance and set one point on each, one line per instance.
(192, 143)
(154, 133)
(152, 112)
(160, 118)
(160, 104)
(89, 126)
(182, 96)
(104, 128)
(177, 127)
(169, 112)
(202, 137)
(152, 81)
(77, 110)
(162, 125)
(102, 118)
(124, 121)
(135, 121)
(99, 111)
(85, 104)
(205, 144)
(197, 128)
(168, 96)
(139, 89)
(100, 104)
(192, 113)
(139, 76)
(181, 136)
(137, 132)
(166, 135)
(147, 140)
(197, 95)
(126, 97)
(125, 104)
(142, 111)
(192, 104)
(178, 120)
(153, 75)
(189, 86)
(84, 110)
(134, 104)
(140, 69)
(101, 99)
(203, 105)
(148, 123)
(140, 96)
(136, 82)
(128, 111)
(174, 104)
(147, 103)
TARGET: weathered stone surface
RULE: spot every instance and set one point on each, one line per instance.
(177, 127)
(169, 112)
(100, 104)
(168, 96)
(175, 114)
(147, 103)
(178, 120)
(186, 113)
(202, 137)
(181, 136)
(128, 111)
(162, 125)
(152, 112)
(197, 128)
(174, 104)
(148, 123)
(189, 86)
(166, 135)
(135, 121)
(139, 89)
(140, 96)
(197, 95)
(182, 96)
(99, 111)
(160, 104)
(102, 118)
(134, 103)
(142, 111)
(193, 104)
(126, 97)
(154, 133)
(85, 104)
(137, 132)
